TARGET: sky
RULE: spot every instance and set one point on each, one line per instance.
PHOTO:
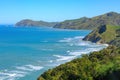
(12, 11)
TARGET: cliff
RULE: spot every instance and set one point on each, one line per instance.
(105, 34)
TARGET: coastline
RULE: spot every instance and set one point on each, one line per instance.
(65, 45)
(75, 53)
(108, 47)
(84, 53)
(83, 61)
(103, 44)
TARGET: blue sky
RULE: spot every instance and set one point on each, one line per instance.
(12, 11)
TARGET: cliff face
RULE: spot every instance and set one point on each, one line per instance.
(111, 18)
(28, 22)
(105, 34)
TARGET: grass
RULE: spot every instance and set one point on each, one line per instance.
(110, 33)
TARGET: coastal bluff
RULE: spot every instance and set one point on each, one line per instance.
(106, 34)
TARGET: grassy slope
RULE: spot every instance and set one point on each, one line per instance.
(110, 33)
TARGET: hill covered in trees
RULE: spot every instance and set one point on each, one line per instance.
(102, 65)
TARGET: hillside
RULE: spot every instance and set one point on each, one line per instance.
(105, 34)
(110, 18)
(102, 65)
(28, 22)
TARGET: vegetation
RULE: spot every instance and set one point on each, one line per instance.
(28, 22)
(105, 34)
(102, 65)
(111, 18)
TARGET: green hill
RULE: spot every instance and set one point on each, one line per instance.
(110, 18)
(105, 34)
(28, 22)
(102, 65)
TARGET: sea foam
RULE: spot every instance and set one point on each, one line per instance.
(71, 39)
(63, 58)
(18, 72)
(34, 67)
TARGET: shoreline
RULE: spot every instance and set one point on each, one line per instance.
(76, 57)
(69, 66)
(103, 44)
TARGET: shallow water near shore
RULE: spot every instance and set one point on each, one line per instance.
(25, 53)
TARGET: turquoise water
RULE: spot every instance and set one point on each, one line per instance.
(25, 53)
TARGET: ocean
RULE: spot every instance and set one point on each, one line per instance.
(25, 53)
